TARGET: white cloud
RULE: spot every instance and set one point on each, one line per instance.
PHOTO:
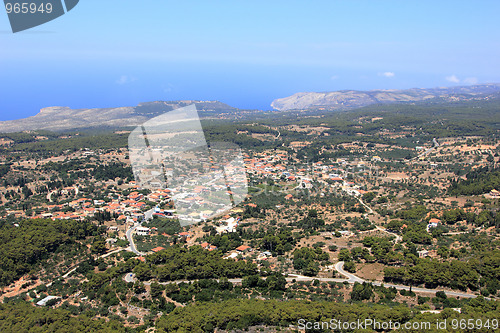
(471, 80)
(168, 88)
(387, 74)
(452, 79)
(334, 77)
(124, 79)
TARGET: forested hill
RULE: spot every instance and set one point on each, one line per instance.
(23, 247)
(479, 181)
(24, 317)
(239, 315)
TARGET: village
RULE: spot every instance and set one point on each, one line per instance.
(278, 173)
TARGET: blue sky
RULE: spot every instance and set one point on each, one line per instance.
(245, 53)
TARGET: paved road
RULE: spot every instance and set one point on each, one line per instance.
(130, 277)
(131, 239)
(351, 278)
(148, 215)
(436, 144)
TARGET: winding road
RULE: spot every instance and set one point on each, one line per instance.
(148, 215)
(131, 240)
(351, 278)
(339, 267)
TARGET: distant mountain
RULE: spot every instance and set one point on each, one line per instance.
(350, 99)
(64, 118)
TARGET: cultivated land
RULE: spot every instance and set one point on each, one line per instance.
(394, 205)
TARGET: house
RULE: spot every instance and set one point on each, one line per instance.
(494, 193)
(158, 249)
(423, 253)
(143, 231)
(243, 249)
(44, 301)
(231, 256)
(433, 223)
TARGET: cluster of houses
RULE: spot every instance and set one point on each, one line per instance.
(128, 209)
(276, 166)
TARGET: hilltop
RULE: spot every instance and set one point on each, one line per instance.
(349, 99)
(59, 118)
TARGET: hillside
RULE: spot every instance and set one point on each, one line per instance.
(349, 99)
(64, 118)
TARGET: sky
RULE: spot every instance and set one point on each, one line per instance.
(245, 53)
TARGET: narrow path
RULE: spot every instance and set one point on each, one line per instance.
(49, 195)
(371, 211)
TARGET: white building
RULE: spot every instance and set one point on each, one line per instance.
(143, 231)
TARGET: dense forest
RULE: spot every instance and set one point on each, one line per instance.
(241, 314)
(479, 181)
(24, 317)
(34, 240)
(176, 263)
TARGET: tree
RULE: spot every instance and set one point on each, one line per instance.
(361, 292)
(312, 269)
(350, 266)
(249, 281)
(276, 281)
(368, 197)
(142, 271)
(345, 255)
(156, 290)
(99, 246)
(443, 252)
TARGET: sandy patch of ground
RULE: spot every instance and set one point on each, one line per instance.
(396, 176)
(373, 271)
